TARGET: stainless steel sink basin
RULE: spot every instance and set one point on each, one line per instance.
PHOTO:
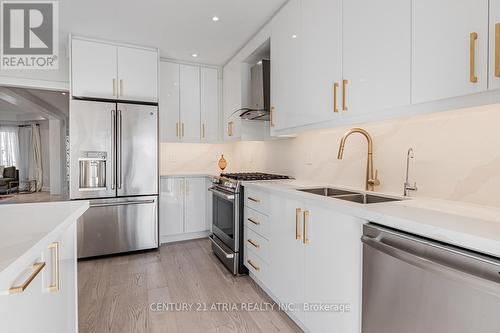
(328, 191)
(362, 198)
(367, 198)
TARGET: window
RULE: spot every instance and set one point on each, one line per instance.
(9, 146)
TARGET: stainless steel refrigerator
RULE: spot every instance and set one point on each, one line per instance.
(114, 164)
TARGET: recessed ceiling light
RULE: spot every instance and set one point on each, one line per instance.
(259, 63)
(63, 93)
(294, 36)
(215, 18)
(194, 55)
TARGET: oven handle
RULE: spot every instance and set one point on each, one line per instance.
(227, 255)
(221, 194)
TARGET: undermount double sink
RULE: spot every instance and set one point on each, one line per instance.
(359, 197)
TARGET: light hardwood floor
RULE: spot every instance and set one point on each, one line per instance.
(115, 293)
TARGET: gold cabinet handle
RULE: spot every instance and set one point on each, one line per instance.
(121, 87)
(473, 38)
(176, 130)
(253, 199)
(114, 87)
(182, 134)
(272, 116)
(306, 217)
(54, 286)
(497, 50)
(297, 218)
(230, 128)
(251, 263)
(203, 131)
(253, 221)
(38, 266)
(254, 243)
(335, 88)
(344, 88)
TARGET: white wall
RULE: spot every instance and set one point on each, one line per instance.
(44, 138)
(457, 155)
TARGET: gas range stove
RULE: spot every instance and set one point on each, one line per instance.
(227, 216)
(232, 181)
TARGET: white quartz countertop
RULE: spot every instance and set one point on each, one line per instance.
(187, 174)
(24, 227)
(466, 225)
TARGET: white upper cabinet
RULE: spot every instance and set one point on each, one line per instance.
(494, 29)
(447, 58)
(137, 74)
(376, 55)
(321, 66)
(169, 102)
(105, 70)
(93, 69)
(232, 76)
(286, 111)
(190, 103)
(209, 81)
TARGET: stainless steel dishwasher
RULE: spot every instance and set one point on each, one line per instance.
(416, 285)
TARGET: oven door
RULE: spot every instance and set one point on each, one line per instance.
(225, 216)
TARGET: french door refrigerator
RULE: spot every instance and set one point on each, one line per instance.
(114, 164)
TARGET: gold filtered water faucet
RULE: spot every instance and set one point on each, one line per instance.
(371, 179)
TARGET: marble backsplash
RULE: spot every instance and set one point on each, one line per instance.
(457, 155)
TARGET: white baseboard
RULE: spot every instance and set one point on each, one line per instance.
(182, 237)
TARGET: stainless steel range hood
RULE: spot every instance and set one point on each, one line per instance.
(259, 108)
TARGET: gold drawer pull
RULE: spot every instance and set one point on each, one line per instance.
(253, 199)
(473, 38)
(250, 262)
(253, 221)
(335, 88)
(497, 50)
(253, 243)
(297, 217)
(306, 217)
(38, 266)
(272, 116)
(344, 90)
(54, 286)
(121, 87)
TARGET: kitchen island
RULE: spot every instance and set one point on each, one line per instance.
(38, 273)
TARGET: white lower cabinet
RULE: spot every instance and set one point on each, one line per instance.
(183, 208)
(314, 264)
(49, 303)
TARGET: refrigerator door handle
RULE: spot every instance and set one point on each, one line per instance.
(113, 149)
(123, 203)
(119, 157)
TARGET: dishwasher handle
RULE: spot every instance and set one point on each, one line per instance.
(489, 285)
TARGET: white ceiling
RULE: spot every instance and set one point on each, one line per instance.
(18, 104)
(178, 27)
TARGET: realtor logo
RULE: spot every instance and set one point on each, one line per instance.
(29, 35)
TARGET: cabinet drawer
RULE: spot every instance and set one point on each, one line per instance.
(257, 266)
(257, 200)
(257, 222)
(256, 244)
